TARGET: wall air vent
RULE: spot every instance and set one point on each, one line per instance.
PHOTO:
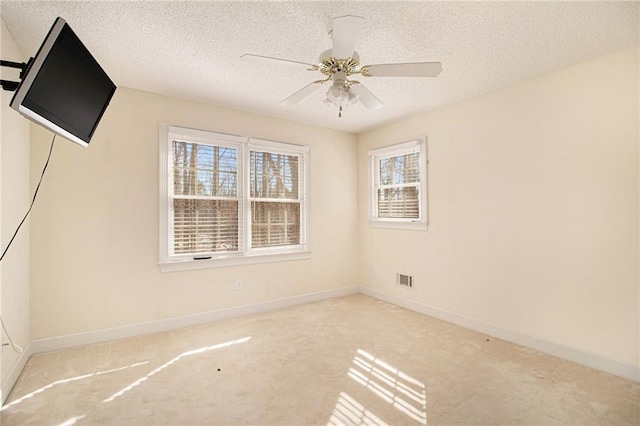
(404, 280)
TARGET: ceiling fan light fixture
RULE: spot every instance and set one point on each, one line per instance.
(352, 98)
(340, 96)
(335, 94)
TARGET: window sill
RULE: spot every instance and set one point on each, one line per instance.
(407, 226)
(187, 265)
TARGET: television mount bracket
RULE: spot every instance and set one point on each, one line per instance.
(22, 66)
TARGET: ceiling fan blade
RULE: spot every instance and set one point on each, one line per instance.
(301, 94)
(346, 30)
(365, 97)
(417, 69)
(268, 60)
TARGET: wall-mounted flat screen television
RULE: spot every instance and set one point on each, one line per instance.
(64, 88)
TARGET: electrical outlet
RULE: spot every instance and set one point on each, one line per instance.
(238, 284)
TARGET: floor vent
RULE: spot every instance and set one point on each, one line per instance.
(405, 280)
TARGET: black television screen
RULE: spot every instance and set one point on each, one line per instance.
(64, 88)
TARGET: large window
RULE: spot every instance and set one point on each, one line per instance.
(398, 186)
(275, 199)
(228, 200)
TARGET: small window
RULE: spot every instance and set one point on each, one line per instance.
(228, 200)
(398, 186)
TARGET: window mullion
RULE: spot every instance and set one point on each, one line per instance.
(400, 185)
(246, 200)
(276, 200)
(201, 197)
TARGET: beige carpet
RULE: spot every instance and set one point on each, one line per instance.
(350, 360)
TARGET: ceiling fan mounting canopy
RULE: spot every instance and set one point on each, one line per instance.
(342, 61)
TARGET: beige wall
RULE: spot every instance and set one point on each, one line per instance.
(94, 247)
(533, 208)
(14, 202)
(534, 215)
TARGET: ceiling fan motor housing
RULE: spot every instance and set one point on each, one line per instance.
(328, 64)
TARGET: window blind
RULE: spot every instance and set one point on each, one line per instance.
(398, 202)
(204, 226)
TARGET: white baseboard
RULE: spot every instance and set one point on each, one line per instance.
(105, 335)
(13, 375)
(576, 355)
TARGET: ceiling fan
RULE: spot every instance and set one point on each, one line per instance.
(341, 62)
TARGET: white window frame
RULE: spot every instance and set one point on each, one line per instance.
(246, 254)
(375, 155)
(285, 149)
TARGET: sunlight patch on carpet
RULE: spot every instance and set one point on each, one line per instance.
(392, 385)
(70, 379)
(174, 360)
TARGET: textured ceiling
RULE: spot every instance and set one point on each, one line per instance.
(192, 49)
